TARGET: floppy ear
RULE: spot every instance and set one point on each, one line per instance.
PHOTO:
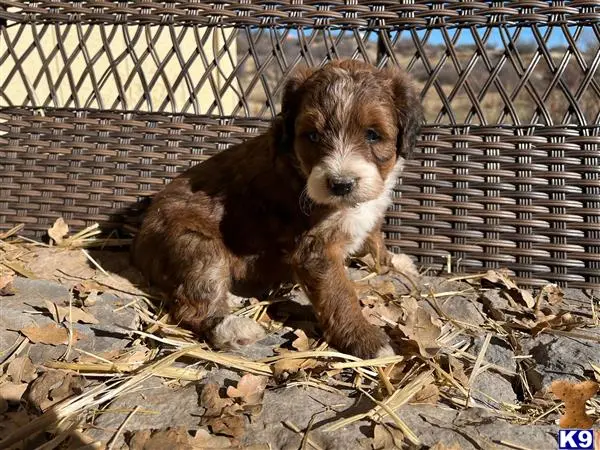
(290, 102)
(408, 109)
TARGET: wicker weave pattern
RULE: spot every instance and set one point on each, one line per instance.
(507, 173)
(527, 199)
(310, 13)
(484, 75)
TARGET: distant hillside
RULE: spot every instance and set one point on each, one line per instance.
(261, 72)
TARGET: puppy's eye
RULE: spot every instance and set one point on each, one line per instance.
(372, 136)
(313, 136)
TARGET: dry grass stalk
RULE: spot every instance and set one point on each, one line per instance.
(12, 354)
(18, 268)
(596, 370)
(176, 373)
(14, 230)
(479, 360)
(441, 372)
(385, 380)
(86, 238)
(60, 437)
(395, 401)
(95, 263)
(410, 435)
(223, 359)
(378, 362)
(313, 354)
(89, 400)
(295, 429)
(513, 445)
(316, 385)
(501, 370)
(113, 440)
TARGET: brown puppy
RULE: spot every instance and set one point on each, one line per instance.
(289, 205)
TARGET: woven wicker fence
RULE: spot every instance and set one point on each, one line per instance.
(103, 102)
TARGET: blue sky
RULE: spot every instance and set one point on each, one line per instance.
(556, 39)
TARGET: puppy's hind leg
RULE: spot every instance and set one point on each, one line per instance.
(201, 304)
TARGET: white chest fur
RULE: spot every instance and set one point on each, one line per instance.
(359, 221)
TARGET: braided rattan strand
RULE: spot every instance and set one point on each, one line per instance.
(539, 218)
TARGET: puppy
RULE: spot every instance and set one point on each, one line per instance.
(289, 205)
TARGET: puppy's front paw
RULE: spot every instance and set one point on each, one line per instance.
(234, 332)
(403, 264)
(370, 343)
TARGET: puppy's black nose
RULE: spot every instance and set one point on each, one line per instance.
(341, 186)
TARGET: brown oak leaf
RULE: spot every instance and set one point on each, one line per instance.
(214, 404)
(74, 315)
(421, 328)
(21, 369)
(50, 334)
(429, 394)
(58, 231)
(387, 437)
(250, 391)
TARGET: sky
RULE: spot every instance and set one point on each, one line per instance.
(556, 38)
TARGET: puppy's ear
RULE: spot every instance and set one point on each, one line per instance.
(290, 102)
(409, 110)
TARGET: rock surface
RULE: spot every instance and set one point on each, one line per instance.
(28, 308)
(494, 419)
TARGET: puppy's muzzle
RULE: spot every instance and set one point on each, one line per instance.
(339, 186)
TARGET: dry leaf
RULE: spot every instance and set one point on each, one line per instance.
(204, 440)
(52, 387)
(302, 343)
(110, 355)
(172, 438)
(214, 404)
(382, 314)
(88, 292)
(441, 446)
(421, 328)
(498, 277)
(12, 392)
(74, 315)
(58, 231)
(429, 394)
(53, 263)
(233, 426)
(493, 305)
(50, 334)
(564, 320)
(383, 287)
(457, 370)
(21, 369)
(286, 368)
(522, 296)
(574, 395)
(387, 437)
(136, 440)
(250, 390)
(554, 294)
(14, 420)
(6, 285)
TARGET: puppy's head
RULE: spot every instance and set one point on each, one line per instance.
(350, 126)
